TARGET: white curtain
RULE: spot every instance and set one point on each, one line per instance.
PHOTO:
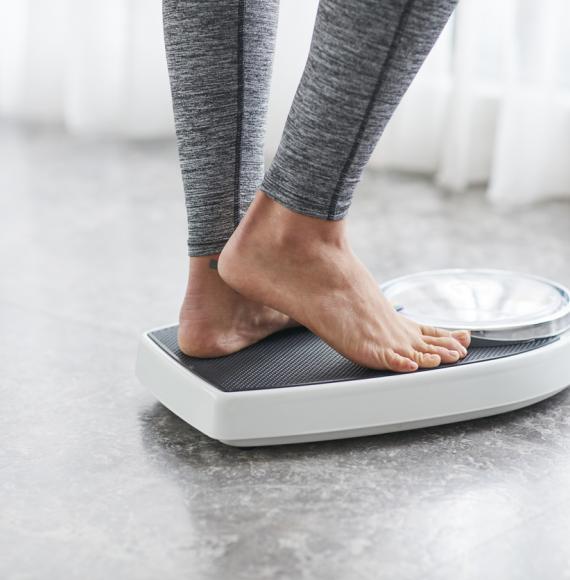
(490, 106)
(95, 66)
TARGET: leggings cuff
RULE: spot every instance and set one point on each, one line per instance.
(196, 249)
(302, 204)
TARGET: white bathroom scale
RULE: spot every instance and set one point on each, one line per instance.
(293, 387)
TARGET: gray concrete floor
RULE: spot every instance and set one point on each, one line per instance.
(98, 480)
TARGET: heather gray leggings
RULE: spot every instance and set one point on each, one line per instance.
(364, 55)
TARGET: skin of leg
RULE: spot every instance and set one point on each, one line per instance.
(219, 58)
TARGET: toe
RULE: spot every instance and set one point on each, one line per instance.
(398, 363)
(463, 336)
(433, 331)
(447, 342)
(426, 360)
(447, 355)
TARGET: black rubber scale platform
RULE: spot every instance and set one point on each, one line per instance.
(295, 357)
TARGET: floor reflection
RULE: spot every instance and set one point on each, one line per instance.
(448, 489)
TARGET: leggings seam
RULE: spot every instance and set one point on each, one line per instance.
(239, 115)
(402, 20)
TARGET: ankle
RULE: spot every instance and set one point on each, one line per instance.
(205, 289)
(203, 272)
(289, 229)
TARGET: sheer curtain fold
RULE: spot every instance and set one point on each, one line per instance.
(95, 66)
(503, 116)
(532, 145)
(490, 106)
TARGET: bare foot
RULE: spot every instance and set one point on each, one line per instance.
(215, 320)
(303, 266)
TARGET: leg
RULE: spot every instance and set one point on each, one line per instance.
(219, 56)
(290, 251)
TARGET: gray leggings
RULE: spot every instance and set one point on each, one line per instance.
(364, 55)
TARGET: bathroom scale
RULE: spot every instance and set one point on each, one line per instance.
(293, 387)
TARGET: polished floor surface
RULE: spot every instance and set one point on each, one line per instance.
(99, 481)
